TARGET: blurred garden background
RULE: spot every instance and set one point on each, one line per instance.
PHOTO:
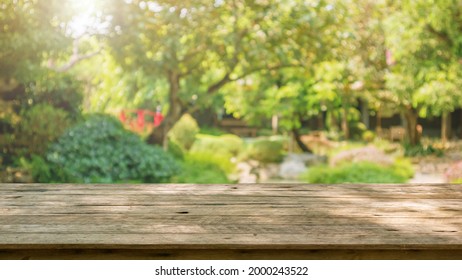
(231, 91)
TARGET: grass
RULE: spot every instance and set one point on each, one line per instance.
(200, 172)
(363, 172)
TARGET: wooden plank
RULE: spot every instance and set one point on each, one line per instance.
(220, 198)
(227, 241)
(287, 220)
(235, 195)
(230, 254)
(159, 228)
(351, 211)
(375, 188)
(220, 219)
(334, 203)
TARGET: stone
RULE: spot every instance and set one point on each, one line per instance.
(307, 158)
(294, 165)
(268, 171)
(291, 169)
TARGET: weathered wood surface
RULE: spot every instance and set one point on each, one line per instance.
(230, 221)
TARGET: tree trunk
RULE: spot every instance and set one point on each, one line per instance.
(345, 128)
(378, 126)
(275, 124)
(365, 114)
(159, 134)
(320, 119)
(333, 124)
(299, 141)
(445, 127)
(412, 135)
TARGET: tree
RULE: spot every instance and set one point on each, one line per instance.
(334, 65)
(197, 47)
(425, 40)
(38, 44)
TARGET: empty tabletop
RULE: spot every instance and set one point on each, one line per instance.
(250, 221)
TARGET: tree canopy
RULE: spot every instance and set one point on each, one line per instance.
(298, 59)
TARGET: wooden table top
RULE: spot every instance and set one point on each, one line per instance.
(249, 216)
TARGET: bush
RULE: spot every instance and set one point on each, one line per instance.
(100, 150)
(209, 130)
(40, 170)
(222, 161)
(368, 136)
(403, 166)
(40, 125)
(363, 172)
(184, 132)
(175, 150)
(421, 150)
(265, 150)
(227, 144)
(60, 90)
(199, 169)
(357, 129)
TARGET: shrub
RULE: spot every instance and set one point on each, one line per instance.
(403, 166)
(209, 130)
(100, 150)
(265, 150)
(40, 125)
(40, 170)
(175, 150)
(222, 161)
(227, 144)
(363, 172)
(357, 129)
(232, 143)
(184, 132)
(368, 136)
(421, 150)
(200, 170)
(60, 90)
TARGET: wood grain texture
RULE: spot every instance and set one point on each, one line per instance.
(65, 221)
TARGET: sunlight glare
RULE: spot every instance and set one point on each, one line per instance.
(88, 19)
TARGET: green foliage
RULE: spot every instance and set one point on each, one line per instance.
(403, 167)
(202, 169)
(227, 144)
(39, 126)
(223, 161)
(100, 150)
(265, 150)
(363, 172)
(260, 58)
(368, 136)
(25, 36)
(357, 130)
(422, 37)
(421, 150)
(40, 170)
(114, 88)
(175, 150)
(184, 132)
(61, 91)
(215, 131)
(265, 132)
